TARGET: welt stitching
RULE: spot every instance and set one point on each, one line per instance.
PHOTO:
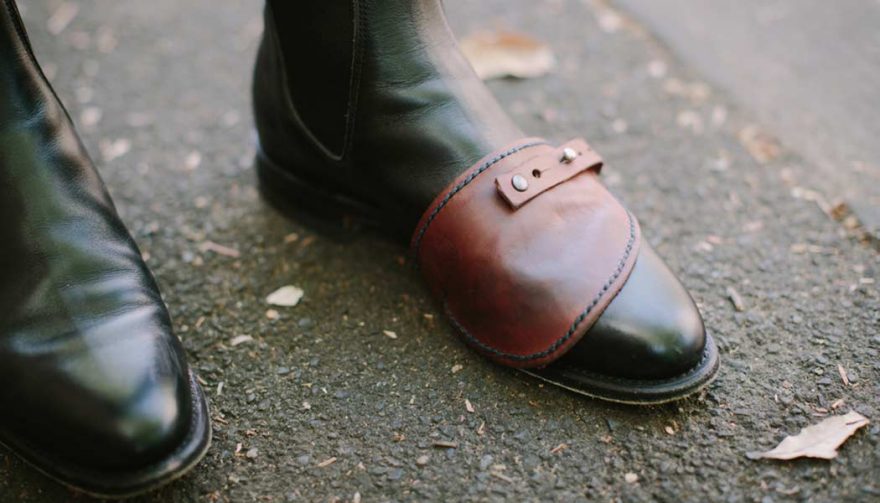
(455, 190)
(571, 331)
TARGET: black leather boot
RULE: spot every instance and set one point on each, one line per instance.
(368, 109)
(96, 392)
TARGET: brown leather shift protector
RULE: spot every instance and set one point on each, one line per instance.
(526, 249)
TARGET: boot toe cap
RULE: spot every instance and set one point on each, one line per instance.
(651, 330)
(147, 426)
(118, 405)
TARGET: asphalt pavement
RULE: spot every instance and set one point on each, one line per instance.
(362, 391)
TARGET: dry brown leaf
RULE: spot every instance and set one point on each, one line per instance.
(736, 299)
(507, 54)
(327, 462)
(762, 147)
(559, 448)
(820, 440)
(843, 375)
(444, 444)
(210, 246)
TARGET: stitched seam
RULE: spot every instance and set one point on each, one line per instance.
(298, 121)
(464, 183)
(360, 23)
(574, 326)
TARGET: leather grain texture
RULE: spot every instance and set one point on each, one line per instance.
(523, 285)
(93, 378)
(524, 273)
(541, 173)
(417, 113)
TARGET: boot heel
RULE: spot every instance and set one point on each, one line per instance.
(331, 214)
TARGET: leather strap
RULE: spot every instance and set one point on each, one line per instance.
(524, 274)
(544, 171)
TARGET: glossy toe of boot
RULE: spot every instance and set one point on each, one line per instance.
(116, 419)
(649, 345)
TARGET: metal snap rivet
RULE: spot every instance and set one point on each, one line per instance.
(569, 154)
(519, 183)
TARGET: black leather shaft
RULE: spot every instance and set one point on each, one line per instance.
(91, 375)
(416, 117)
(319, 36)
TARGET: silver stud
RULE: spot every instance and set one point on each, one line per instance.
(519, 183)
(569, 154)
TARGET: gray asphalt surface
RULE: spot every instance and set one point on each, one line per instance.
(808, 69)
(323, 406)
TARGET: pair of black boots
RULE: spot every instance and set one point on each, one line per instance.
(362, 107)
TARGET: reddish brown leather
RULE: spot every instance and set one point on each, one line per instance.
(542, 173)
(523, 285)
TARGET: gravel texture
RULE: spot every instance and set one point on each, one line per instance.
(323, 404)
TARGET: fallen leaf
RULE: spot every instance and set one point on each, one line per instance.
(456, 368)
(843, 376)
(389, 334)
(503, 477)
(326, 462)
(286, 296)
(559, 448)
(761, 146)
(820, 440)
(507, 54)
(210, 246)
(241, 339)
(736, 299)
(468, 405)
(631, 478)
